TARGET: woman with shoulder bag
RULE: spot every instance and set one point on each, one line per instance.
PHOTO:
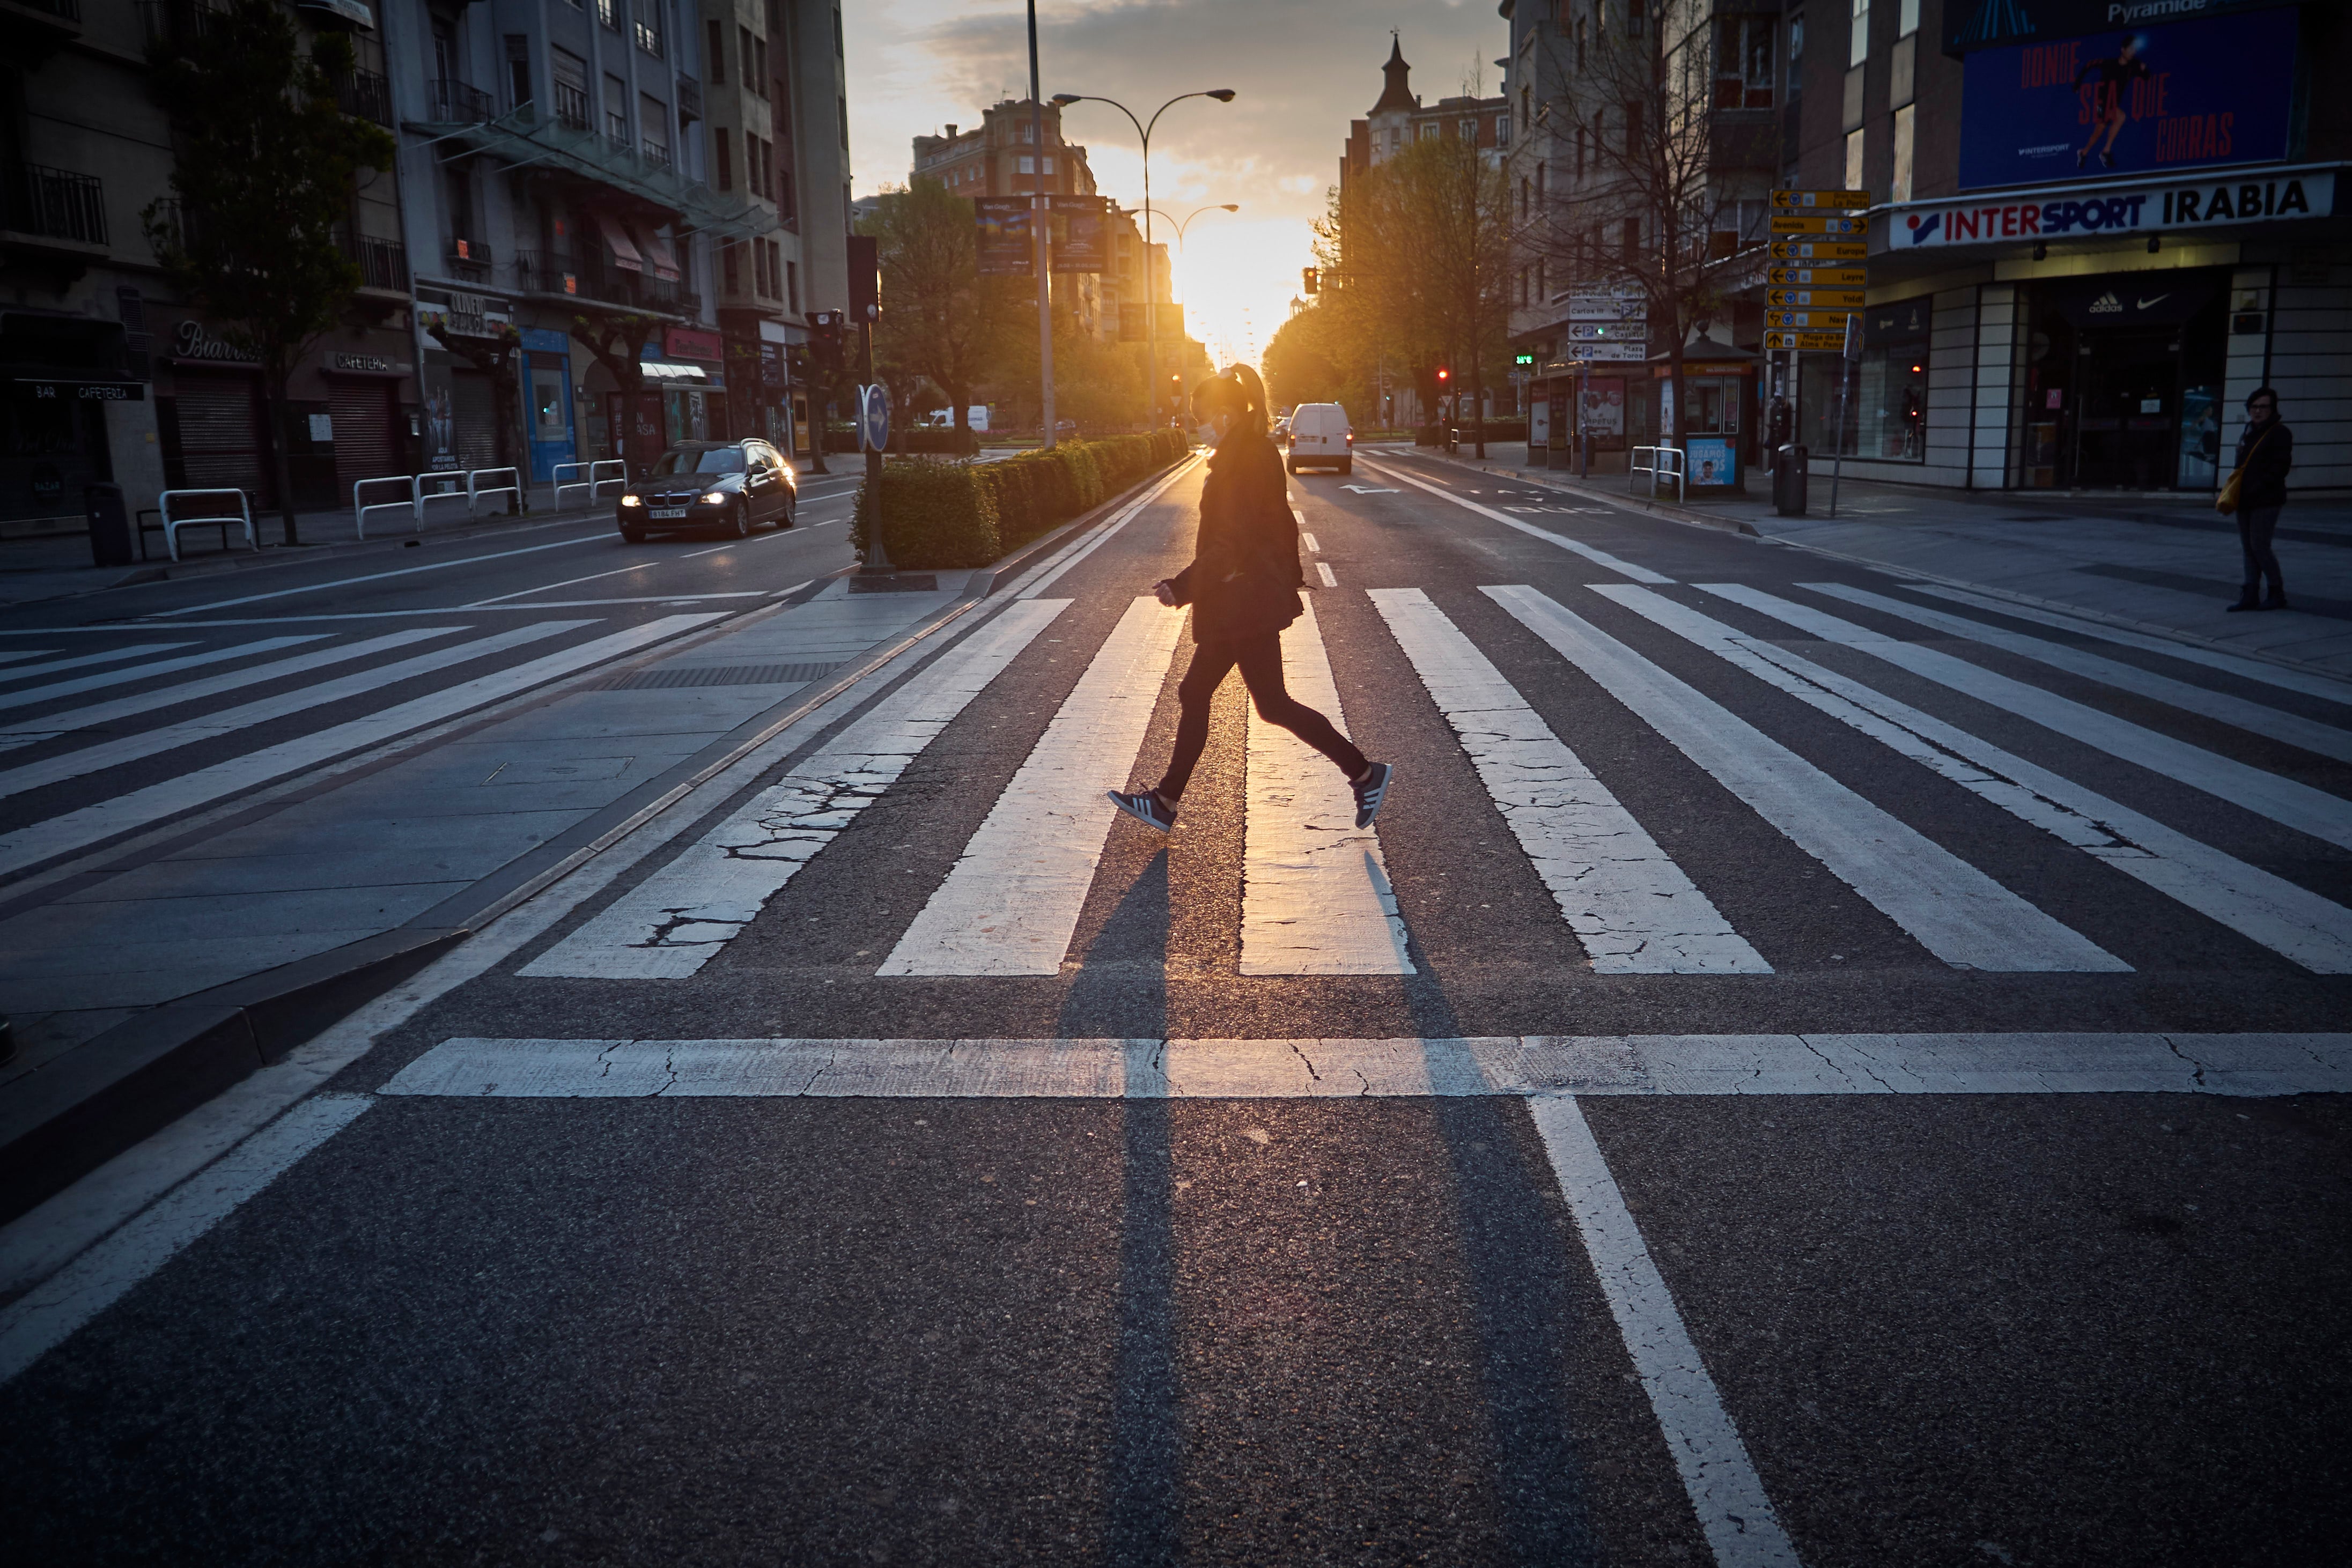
(2256, 492)
(1242, 586)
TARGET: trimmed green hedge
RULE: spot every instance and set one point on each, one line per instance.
(947, 514)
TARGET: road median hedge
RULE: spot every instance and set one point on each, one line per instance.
(940, 515)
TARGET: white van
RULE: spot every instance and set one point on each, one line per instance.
(1319, 433)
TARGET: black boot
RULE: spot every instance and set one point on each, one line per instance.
(2246, 601)
(2277, 600)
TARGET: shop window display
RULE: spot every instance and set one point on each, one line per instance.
(1886, 416)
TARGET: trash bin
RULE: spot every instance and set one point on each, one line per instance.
(111, 542)
(1788, 467)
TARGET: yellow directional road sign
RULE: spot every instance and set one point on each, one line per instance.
(1814, 298)
(1845, 201)
(1832, 341)
(1817, 276)
(1820, 222)
(1806, 320)
(1820, 250)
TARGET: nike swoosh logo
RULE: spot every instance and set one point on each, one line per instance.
(2157, 300)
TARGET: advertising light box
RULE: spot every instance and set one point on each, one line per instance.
(2140, 100)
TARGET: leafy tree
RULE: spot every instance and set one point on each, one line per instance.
(618, 342)
(1303, 360)
(267, 164)
(941, 320)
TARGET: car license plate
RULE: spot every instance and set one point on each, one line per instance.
(669, 511)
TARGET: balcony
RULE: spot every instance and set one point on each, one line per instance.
(382, 263)
(657, 155)
(57, 18)
(176, 24)
(571, 106)
(454, 103)
(469, 260)
(365, 95)
(52, 204)
(690, 98)
(593, 277)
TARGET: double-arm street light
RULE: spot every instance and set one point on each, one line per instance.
(1143, 129)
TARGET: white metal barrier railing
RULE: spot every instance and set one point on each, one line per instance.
(605, 471)
(1665, 463)
(447, 484)
(243, 516)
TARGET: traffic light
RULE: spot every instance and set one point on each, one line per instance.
(1444, 375)
(827, 340)
(1310, 279)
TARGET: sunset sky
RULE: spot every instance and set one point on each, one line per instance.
(1302, 72)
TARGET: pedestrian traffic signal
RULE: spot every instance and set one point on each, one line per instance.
(1311, 280)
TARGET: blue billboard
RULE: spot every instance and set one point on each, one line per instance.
(2143, 101)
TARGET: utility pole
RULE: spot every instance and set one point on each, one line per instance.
(1041, 221)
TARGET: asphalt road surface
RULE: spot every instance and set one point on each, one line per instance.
(1807, 1068)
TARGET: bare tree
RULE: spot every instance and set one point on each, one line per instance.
(1655, 169)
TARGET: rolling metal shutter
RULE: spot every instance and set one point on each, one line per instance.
(366, 443)
(222, 441)
(477, 418)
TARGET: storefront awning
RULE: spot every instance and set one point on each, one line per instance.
(358, 12)
(669, 374)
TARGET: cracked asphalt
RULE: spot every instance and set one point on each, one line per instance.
(1951, 1328)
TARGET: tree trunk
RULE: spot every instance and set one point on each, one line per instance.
(281, 470)
(1477, 393)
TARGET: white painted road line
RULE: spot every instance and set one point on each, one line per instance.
(1010, 903)
(45, 841)
(2309, 683)
(1512, 1066)
(1048, 572)
(1323, 570)
(110, 657)
(1725, 1490)
(212, 686)
(376, 576)
(2283, 800)
(676, 920)
(108, 754)
(11, 655)
(2309, 733)
(57, 690)
(1949, 906)
(42, 1319)
(1308, 540)
(1631, 905)
(1316, 898)
(2290, 920)
(1575, 546)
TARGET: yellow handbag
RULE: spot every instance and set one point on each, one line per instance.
(2226, 503)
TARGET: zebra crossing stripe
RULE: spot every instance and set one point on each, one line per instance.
(2309, 683)
(83, 661)
(1949, 906)
(676, 920)
(96, 714)
(1316, 898)
(1522, 1065)
(45, 841)
(2284, 800)
(89, 759)
(10, 656)
(1010, 903)
(1631, 905)
(2311, 735)
(1574, 547)
(2290, 920)
(56, 690)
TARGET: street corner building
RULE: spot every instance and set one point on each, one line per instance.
(2093, 229)
(605, 228)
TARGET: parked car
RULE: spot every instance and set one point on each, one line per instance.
(1320, 434)
(731, 486)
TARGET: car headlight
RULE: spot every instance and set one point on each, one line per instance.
(714, 498)
(632, 500)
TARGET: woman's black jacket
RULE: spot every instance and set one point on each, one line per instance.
(1244, 577)
(2265, 464)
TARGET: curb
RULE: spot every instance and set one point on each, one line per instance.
(1657, 509)
(124, 1084)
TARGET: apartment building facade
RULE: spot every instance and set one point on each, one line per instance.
(1007, 155)
(106, 374)
(2089, 241)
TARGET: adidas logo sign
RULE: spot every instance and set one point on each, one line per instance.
(2106, 305)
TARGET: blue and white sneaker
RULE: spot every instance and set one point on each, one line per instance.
(1371, 792)
(1145, 807)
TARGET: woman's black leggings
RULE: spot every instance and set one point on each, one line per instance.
(1260, 658)
(2255, 526)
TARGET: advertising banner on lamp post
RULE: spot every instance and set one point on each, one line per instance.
(1005, 247)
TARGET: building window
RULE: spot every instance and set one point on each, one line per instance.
(1526, 109)
(839, 49)
(715, 68)
(608, 12)
(1579, 42)
(1539, 186)
(1523, 286)
(1854, 161)
(1025, 165)
(1502, 130)
(1887, 416)
(1630, 240)
(1636, 17)
(1429, 130)
(1743, 62)
(1523, 201)
(840, 106)
(759, 74)
(1049, 165)
(1634, 130)
(1540, 289)
(731, 265)
(1470, 131)
(723, 164)
(1796, 52)
(649, 33)
(1857, 48)
(1899, 188)
(792, 286)
(1906, 19)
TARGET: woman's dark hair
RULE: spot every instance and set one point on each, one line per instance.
(1237, 391)
(2270, 392)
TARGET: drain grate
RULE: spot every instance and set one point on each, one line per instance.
(717, 675)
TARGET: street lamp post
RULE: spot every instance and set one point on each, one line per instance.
(1175, 397)
(1143, 131)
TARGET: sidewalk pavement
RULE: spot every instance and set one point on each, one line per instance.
(2149, 561)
